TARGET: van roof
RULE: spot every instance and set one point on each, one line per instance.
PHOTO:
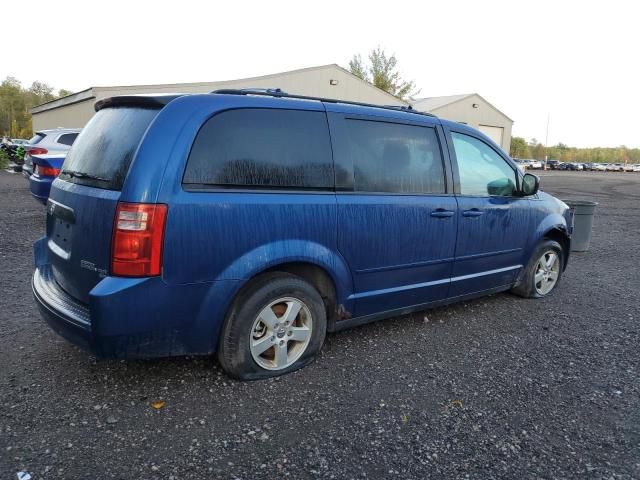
(160, 100)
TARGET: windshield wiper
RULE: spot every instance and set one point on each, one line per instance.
(76, 174)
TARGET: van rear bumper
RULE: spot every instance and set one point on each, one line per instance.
(65, 315)
(136, 318)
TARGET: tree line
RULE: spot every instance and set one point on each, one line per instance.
(533, 149)
(16, 103)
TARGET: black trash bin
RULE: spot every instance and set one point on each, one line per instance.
(582, 222)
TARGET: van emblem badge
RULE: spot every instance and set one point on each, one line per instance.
(87, 265)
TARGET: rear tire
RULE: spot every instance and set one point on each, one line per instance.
(542, 274)
(276, 326)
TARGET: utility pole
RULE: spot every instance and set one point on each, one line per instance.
(546, 142)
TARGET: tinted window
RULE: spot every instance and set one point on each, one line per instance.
(105, 147)
(390, 157)
(262, 148)
(482, 171)
(67, 138)
(36, 138)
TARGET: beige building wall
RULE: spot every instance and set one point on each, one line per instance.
(314, 82)
(69, 116)
(329, 81)
(485, 115)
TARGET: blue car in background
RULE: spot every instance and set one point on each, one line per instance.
(251, 223)
(46, 168)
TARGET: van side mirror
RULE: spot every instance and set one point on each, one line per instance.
(530, 184)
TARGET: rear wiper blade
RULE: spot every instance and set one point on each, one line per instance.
(76, 174)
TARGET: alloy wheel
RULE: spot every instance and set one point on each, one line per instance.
(547, 272)
(281, 333)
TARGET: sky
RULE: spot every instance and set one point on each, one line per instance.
(574, 62)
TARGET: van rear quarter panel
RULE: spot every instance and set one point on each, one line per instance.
(234, 235)
(225, 234)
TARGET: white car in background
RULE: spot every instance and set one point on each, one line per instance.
(521, 164)
(535, 164)
(635, 167)
(599, 167)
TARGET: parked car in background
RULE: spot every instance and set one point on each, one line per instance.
(627, 167)
(553, 164)
(617, 167)
(571, 166)
(535, 164)
(48, 142)
(19, 141)
(521, 164)
(46, 168)
(251, 224)
(635, 167)
(599, 167)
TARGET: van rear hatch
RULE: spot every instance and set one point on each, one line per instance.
(83, 200)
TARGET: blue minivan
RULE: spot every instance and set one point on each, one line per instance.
(251, 223)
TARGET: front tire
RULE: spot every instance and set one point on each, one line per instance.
(276, 326)
(543, 273)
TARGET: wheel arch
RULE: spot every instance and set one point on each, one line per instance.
(317, 264)
(552, 226)
(560, 235)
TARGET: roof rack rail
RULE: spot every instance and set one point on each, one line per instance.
(271, 92)
(404, 108)
(279, 93)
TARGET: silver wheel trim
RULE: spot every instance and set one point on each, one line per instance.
(547, 272)
(280, 333)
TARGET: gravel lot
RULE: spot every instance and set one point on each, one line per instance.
(500, 387)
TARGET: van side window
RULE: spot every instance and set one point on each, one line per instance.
(396, 158)
(263, 148)
(482, 171)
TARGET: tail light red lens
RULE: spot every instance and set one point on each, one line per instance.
(37, 151)
(47, 171)
(138, 234)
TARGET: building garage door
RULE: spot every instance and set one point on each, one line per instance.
(494, 133)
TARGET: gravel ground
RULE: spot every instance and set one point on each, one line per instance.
(499, 387)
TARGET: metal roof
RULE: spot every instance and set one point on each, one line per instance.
(92, 92)
(430, 103)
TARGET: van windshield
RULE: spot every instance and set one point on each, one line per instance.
(101, 155)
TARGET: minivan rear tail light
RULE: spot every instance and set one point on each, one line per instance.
(138, 234)
(47, 171)
(37, 151)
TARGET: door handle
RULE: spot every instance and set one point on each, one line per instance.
(474, 212)
(442, 213)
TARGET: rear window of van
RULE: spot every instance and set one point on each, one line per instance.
(102, 152)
